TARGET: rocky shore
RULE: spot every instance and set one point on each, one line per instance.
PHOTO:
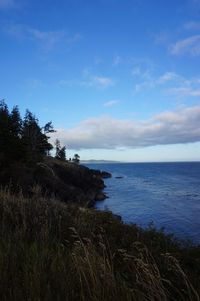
(72, 182)
(67, 181)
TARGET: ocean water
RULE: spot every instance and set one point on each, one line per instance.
(165, 194)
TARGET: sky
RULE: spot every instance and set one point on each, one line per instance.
(119, 79)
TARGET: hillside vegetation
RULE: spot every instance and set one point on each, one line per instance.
(53, 251)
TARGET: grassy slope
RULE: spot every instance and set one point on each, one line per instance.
(53, 251)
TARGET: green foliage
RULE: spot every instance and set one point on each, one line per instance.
(22, 140)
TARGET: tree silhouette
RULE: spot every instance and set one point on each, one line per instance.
(16, 122)
(22, 139)
(16, 147)
(60, 151)
(76, 158)
(5, 134)
(48, 128)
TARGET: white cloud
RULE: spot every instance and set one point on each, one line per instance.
(6, 4)
(136, 71)
(168, 76)
(169, 82)
(88, 80)
(111, 103)
(184, 91)
(101, 82)
(108, 133)
(179, 85)
(143, 86)
(190, 45)
(144, 77)
(144, 73)
(46, 39)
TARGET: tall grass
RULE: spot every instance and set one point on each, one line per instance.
(53, 251)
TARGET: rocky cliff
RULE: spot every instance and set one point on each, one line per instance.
(67, 181)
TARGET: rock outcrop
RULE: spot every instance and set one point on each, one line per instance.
(67, 181)
(72, 182)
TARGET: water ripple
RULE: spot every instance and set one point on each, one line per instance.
(167, 194)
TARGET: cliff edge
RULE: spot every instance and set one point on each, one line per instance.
(65, 180)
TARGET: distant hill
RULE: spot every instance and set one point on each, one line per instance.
(98, 161)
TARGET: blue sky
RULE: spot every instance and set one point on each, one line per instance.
(120, 79)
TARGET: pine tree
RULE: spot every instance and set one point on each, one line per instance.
(30, 134)
(46, 146)
(22, 139)
(76, 158)
(5, 133)
(60, 151)
(48, 128)
(36, 141)
(16, 146)
(16, 122)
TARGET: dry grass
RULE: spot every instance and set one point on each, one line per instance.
(53, 251)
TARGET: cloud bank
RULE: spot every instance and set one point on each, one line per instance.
(173, 127)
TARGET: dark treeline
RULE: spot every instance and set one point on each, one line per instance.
(22, 139)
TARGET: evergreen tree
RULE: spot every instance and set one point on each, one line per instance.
(36, 142)
(5, 134)
(22, 140)
(60, 151)
(76, 158)
(48, 128)
(30, 136)
(58, 147)
(16, 146)
(16, 122)
(46, 147)
(4, 123)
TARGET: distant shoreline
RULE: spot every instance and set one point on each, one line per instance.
(128, 162)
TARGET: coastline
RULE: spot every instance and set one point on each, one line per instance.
(63, 249)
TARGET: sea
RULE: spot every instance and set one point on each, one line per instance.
(161, 195)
